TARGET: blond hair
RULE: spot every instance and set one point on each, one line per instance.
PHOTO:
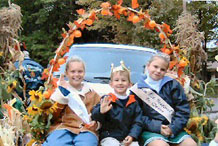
(121, 72)
(74, 59)
(160, 55)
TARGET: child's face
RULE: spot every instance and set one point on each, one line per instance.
(157, 68)
(120, 82)
(75, 73)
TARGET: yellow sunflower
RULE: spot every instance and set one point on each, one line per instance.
(205, 119)
(35, 95)
(30, 143)
(27, 118)
(1, 54)
(11, 86)
(33, 110)
(48, 107)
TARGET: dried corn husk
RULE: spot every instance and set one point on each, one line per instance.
(7, 133)
(10, 24)
(190, 40)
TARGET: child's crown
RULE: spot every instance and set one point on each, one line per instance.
(122, 67)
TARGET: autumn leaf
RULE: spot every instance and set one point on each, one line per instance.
(54, 82)
(105, 5)
(81, 26)
(93, 16)
(56, 67)
(176, 48)
(88, 22)
(120, 2)
(122, 10)
(63, 35)
(131, 15)
(166, 28)
(67, 49)
(135, 4)
(70, 40)
(65, 57)
(61, 61)
(146, 25)
(105, 12)
(180, 71)
(81, 11)
(52, 61)
(135, 19)
(45, 74)
(116, 14)
(116, 9)
(156, 29)
(172, 64)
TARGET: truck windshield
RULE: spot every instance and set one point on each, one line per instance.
(98, 61)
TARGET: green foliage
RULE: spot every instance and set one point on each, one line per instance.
(40, 125)
(207, 14)
(43, 21)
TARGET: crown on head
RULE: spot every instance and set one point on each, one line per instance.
(122, 67)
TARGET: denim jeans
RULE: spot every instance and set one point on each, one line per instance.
(67, 138)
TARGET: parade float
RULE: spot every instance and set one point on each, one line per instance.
(22, 124)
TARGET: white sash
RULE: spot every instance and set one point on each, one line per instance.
(76, 104)
(155, 101)
(74, 101)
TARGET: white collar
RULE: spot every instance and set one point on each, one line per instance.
(122, 97)
(152, 83)
(85, 89)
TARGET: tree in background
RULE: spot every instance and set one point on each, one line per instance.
(42, 23)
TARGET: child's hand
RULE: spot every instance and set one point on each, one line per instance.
(128, 140)
(105, 105)
(92, 126)
(62, 82)
(165, 130)
(216, 121)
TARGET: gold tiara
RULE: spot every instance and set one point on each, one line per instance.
(122, 67)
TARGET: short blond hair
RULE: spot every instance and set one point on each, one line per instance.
(121, 72)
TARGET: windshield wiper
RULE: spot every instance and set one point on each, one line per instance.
(104, 79)
(86, 80)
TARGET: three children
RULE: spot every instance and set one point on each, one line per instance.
(157, 104)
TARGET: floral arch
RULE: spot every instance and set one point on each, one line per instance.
(39, 113)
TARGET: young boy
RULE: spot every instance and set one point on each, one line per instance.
(118, 113)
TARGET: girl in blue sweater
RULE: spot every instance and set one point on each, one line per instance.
(164, 104)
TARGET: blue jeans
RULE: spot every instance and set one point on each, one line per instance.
(67, 138)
